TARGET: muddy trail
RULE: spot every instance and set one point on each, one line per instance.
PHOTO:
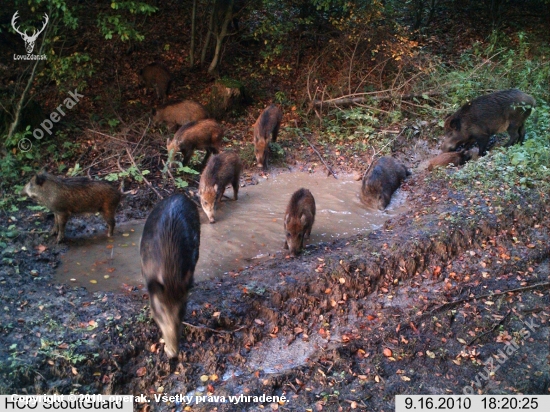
(418, 306)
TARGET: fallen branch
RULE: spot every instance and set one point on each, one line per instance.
(144, 178)
(456, 302)
(213, 330)
(496, 325)
(363, 97)
(315, 150)
(111, 137)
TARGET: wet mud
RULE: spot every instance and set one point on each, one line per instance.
(246, 232)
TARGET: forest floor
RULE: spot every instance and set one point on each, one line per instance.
(451, 297)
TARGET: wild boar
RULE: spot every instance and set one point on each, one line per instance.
(484, 116)
(379, 183)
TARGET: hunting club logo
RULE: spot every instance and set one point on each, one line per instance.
(29, 40)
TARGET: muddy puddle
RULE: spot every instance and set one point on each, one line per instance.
(246, 231)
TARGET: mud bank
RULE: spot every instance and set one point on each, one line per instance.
(415, 307)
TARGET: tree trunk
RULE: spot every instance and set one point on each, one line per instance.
(192, 47)
(209, 32)
(20, 104)
(220, 36)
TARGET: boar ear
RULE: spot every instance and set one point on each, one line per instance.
(40, 179)
(216, 187)
(303, 219)
(154, 111)
(287, 218)
(455, 124)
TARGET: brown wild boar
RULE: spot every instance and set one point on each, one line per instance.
(221, 170)
(178, 114)
(202, 135)
(379, 183)
(444, 159)
(266, 126)
(73, 195)
(486, 115)
(156, 76)
(299, 218)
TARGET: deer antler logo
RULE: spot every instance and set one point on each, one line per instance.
(29, 40)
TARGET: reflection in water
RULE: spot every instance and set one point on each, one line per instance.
(246, 229)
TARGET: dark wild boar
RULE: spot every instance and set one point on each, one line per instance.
(266, 127)
(179, 114)
(73, 195)
(379, 183)
(299, 218)
(169, 252)
(202, 135)
(157, 77)
(445, 159)
(221, 170)
(484, 116)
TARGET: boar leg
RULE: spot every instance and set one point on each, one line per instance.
(275, 133)
(110, 219)
(482, 142)
(521, 132)
(206, 156)
(513, 131)
(187, 157)
(55, 228)
(61, 223)
(219, 194)
(235, 184)
(285, 246)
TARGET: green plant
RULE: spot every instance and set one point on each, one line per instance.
(132, 172)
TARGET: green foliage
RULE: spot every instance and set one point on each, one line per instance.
(283, 27)
(524, 166)
(501, 64)
(69, 72)
(111, 25)
(180, 169)
(132, 172)
(356, 123)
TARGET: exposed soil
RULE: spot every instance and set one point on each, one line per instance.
(417, 307)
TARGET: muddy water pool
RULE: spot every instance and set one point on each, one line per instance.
(247, 230)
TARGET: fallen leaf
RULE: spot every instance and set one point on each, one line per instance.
(430, 354)
(140, 372)
(259, 322)
(204, 378)
(387, 352)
